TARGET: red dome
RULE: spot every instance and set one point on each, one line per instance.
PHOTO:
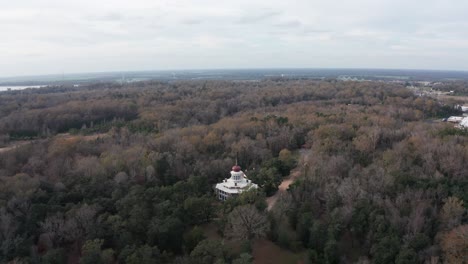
(236, 168)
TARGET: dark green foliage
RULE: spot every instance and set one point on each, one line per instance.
(359, 221)
(318, 236)
(104, 126)
(271, 173)
(166, 233)
(283, 167)
(139, 254)
(143, 255)
(286, 238)
(419, 242)
(303, 228)
(330, 252)
(193, 237)
(452, 131)
(268, 178)
(386, 250)
(255, 197)
(23, 134)
(208, 251)
(407, 256)
(448, 110)
(54, 256)
(198, 209)
(244, 258)
(371, 182)
(313, 256)
(91, 252)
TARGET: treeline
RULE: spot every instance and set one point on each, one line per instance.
(380, 184)
(458, 87)
(163, 106)
(383, 192)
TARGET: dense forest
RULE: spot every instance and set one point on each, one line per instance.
(110, 173)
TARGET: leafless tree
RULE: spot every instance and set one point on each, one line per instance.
(121, 177)
(452, 212)
(89, 167)
(246, 222)
(53, 226)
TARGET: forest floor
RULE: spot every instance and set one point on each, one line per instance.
(283, 187)
(266, 252)
(210, 230)
(15, 145)
(19, 143)
(87, 137)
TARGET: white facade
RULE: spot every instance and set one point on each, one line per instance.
(235, 185)
(464, 123)
(455, 119)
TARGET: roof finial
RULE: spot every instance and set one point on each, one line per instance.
(237, 154)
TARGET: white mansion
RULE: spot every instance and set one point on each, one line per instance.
(234, 185)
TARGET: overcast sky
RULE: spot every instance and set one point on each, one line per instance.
(69, 36)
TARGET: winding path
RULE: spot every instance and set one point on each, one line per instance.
(12, 147)
(283, 187)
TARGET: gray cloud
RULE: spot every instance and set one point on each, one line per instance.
(192, 21)
(289, 24)
(258, 16)
(107, 17)
(106, 35)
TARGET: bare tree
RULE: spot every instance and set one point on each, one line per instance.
(246, 222)
(8, 228)
(150, 173)
(81, 222)
(121, 177)
(53, 226)
(89, 167)
(455, 245)
(452, 212)
(77, 225)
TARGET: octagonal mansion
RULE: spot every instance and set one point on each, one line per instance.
(235, 185)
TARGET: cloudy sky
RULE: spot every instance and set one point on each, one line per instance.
(70, 36)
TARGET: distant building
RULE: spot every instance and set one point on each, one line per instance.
(463, 108)
(464, 123)
(455, 119)
(235, 185)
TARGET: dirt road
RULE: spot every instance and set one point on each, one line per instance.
(12, 147)
(283, 187)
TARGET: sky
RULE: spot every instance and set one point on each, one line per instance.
(71, 36)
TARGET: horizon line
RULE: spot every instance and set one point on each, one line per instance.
(3, 78)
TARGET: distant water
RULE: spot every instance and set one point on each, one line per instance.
(15, 87)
